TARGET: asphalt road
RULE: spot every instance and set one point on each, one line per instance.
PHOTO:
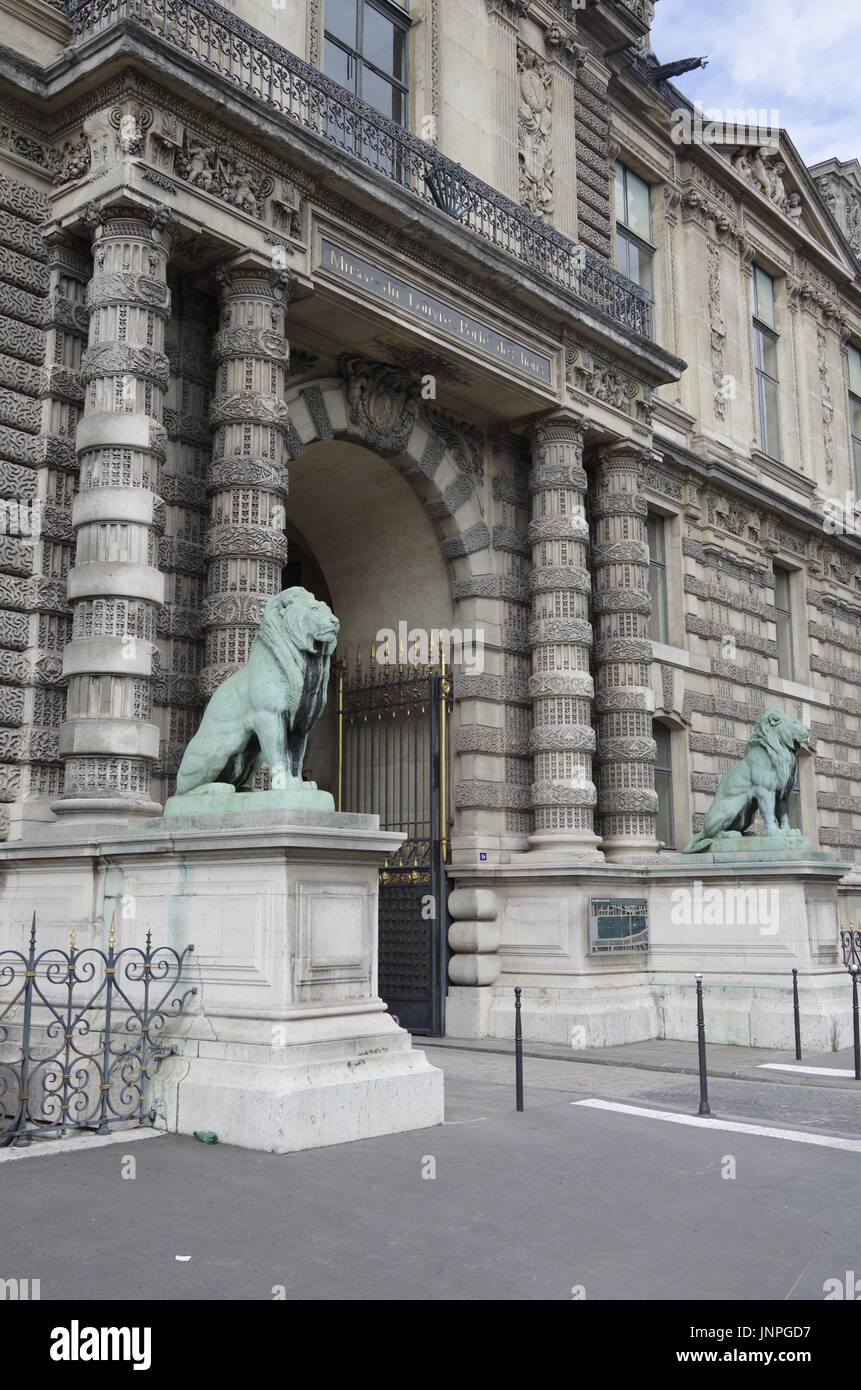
(561, 1201)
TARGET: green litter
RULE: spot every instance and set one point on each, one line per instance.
(206, 1136)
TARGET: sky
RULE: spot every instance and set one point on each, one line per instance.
(799, 57)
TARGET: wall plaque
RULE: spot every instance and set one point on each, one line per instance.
(618, 924)
(423, 307)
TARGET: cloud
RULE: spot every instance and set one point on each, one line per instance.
(800, 57)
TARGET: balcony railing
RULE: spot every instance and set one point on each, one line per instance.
(262, 68)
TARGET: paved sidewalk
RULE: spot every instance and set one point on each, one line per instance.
(560, 1202)
(666, 1055)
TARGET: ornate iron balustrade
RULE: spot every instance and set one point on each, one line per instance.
(259, 66)
(79, 1034)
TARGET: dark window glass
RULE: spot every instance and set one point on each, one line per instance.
(658, 625)
(366, 52)
(783, 617)
(664, 825)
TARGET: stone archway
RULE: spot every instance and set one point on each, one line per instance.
(375, 406)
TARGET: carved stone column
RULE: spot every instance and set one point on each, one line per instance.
(624, 702)
(246, 547)
(108, 741)
(560, 637)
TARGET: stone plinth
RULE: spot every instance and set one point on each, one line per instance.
(286, 1045)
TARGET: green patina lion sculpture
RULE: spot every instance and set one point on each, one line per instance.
(761, 781)
(264, 712)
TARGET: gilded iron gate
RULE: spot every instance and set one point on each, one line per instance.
(392, 761)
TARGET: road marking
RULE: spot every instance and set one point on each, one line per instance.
(812, 1071)
(79, 1143)
(797, 1136)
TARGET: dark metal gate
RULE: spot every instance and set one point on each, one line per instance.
(393, 761)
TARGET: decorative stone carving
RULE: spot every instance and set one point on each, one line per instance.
(109, 756)
(826, 402)
(464, 442)
(560, 687)
(72, 160)
(765, 172)
(717, 329)
(220, 173)
(627, 802)
(382, 402)
(534, 126)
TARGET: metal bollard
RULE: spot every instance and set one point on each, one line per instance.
(701, 1048)
(856, 1035)
(797, 1015)
(518, 1049)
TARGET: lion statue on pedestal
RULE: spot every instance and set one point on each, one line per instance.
(761, 781)
(264, 712)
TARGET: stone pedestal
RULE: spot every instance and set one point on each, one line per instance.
(286, 1045)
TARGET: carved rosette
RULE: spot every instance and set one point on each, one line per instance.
(627, 801)
(246, 547)
(109, 742)
(560, 636)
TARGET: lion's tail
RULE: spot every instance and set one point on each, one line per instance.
(699, 842)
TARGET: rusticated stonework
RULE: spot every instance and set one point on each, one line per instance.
(627, 802)
(108, 740)
(246, 548)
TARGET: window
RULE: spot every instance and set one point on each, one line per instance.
(634, 249)
(366, 51)
(658, 626)
(855, 414)
(783, 619)
(765, 338)
(664, 826)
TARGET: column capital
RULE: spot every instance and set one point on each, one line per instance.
(160, 219)
(557, 426)
(238, 275)
(624, 454)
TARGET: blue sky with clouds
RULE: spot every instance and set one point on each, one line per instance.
(802, 57)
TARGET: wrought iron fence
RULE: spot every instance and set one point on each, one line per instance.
(79, 1034)
(259, 66)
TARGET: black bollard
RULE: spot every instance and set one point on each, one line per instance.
(856, 1035)
(518, 1049)
(797, 1015)
(701, 1047)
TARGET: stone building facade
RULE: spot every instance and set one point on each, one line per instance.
(253, 306)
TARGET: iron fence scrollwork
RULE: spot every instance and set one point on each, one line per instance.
(81, 1034)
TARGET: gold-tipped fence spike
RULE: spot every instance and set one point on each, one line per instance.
(112, 934)
(73, 942)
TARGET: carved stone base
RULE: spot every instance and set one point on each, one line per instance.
(221, 799)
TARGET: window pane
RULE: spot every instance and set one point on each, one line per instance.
(781, 589)
(656, 538)
(855, 414)
(621, 200)
(764, 296)
(341, 20)
(856, 454)
(766, 352)
(639, 216)
(661, 735)
(855, 369)
(794, 807)
(383, 42)
(381, 94)
(771, 418)
(339, 66)
(643, 268)
(784, 646)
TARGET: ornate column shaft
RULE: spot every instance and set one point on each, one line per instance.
(108, 741)
(246, 547)
(560, 638)
(627, 801)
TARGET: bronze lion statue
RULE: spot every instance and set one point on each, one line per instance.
(264, 712)
(761, 781)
